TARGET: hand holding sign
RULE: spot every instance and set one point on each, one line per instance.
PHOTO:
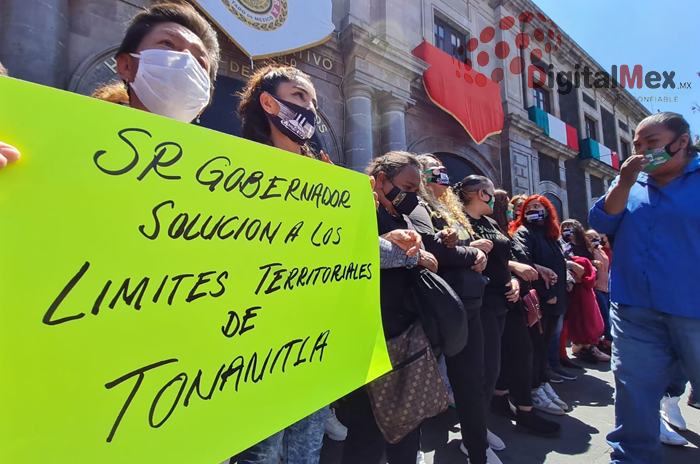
(166, 281)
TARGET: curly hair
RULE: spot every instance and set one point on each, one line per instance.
(579, 235)
(448, 206)
(500, 209)
(551, 222)
(254, 123)
(113, 93)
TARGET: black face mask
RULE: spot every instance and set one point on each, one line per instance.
(294, 121)
(535, 216)
(403, 202)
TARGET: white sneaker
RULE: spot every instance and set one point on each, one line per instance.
(670, 437)
(334, 429)
(541, 401)
(420, 458)
(491, 457)
(495, 442)
(671, 413)
(552, 395)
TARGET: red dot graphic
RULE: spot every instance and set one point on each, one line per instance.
(487, 34)
(539, 35)
(559, 38)
(548, 48)
(541, 17)
(480, 80)
(551, 34)
(506, 23)
(517, 65)
(526, 17)
(483, 59)
(468, 78)
(522, 40)
(458, 74)
(460, 50)
(556, 47)
(497, 75)
(502, 50)
(472, 44)
(536, 55)
(468, 65)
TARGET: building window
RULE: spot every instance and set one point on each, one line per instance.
(624, 150)
(542, 99)
(588, 100)
(448, 39)
(623, 126)
(591, 126)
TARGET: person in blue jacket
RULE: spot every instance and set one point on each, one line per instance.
(651, 209)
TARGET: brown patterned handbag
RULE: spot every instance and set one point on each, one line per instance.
(412, 391)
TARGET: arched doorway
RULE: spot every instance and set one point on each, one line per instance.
(557, 203)
(457, 167)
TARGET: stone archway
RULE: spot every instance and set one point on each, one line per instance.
(95, 71)
(468, 153)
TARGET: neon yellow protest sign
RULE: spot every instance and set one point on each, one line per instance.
(170, 293)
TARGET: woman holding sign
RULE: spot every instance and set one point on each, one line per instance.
(278, 108)
(168, 61)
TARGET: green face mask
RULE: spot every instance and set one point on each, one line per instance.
(510, 216)
(659, 156)
(492, 201)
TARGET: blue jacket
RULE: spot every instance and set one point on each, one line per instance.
(657, 244)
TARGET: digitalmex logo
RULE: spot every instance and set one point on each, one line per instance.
(550, 39)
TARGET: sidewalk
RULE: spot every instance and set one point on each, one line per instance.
(582, 440)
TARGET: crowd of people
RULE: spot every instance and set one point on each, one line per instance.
(485, 290)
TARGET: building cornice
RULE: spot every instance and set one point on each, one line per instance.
(599, 169)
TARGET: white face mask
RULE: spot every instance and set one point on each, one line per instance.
(171, 84)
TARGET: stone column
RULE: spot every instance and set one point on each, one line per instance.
(589, 195)
(562, 184)
(358, 126)
(33, 40)
(393, 124)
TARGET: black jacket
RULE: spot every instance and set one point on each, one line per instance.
(454, 264)
(544, 251)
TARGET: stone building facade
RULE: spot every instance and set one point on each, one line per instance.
(371, 95)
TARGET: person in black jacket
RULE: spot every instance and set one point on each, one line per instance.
(461, 267)
(537, 232)
(515, 380)
(398, 179)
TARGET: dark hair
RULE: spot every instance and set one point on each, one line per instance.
(500, 210)
(579, 233)
(254, 123)
(3, 71)
(468, 187)
(392, 164)
(183, 14)
(677, 124)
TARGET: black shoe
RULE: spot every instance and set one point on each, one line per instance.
(692, 402)
(561, 372)
(569, 364)
(533, 423)
(553, 376)
(501, 405)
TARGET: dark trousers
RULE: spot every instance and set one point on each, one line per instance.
(493, 321)
(365, 443)
(516, 359)
(541, 343)
(603, 299)
(466, 374)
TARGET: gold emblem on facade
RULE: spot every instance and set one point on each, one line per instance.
(263, 15)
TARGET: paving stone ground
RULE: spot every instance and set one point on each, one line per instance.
(582, 440)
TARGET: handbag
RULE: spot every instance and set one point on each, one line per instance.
(440, 311)
(532, 304)
(412, 391)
